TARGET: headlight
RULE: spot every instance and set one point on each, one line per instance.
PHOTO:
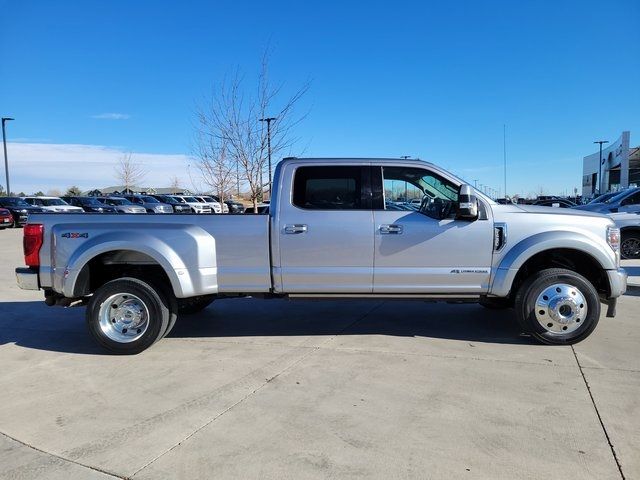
(613, 239)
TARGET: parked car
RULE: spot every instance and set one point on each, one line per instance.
(20, 210)
(196, 206)
(122, 205)
(602, 198)
(178, 204)
(555, 202)
(327, 236)
(626, 201)
(629, 225)
(6, 219)
(52, 204)
(234, 207)
(89, 204)
(208, 200)
(151, 204)
(262, 209)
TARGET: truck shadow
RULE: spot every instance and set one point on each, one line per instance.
(34, 325)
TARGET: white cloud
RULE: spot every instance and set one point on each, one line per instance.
(112, 116)
(44, 166)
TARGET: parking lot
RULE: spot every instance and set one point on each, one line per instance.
(301, 389)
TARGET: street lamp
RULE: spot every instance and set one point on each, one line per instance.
(600, 142)
(4, 143)
(268, 120)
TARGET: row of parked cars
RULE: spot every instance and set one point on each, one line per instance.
(14, 211)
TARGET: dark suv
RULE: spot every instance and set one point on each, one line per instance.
(19, 209)
(89, 204)
(177, 205)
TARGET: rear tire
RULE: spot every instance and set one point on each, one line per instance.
(127, 315)
(557, 307)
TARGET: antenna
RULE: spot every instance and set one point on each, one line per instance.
(504, 154)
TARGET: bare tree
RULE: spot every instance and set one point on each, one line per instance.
(128, 172)
(175, 185)
(230, 135)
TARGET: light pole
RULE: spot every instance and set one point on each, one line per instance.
(268, 120)
(4, 143)
(600, 142)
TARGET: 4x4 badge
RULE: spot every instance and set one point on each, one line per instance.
(75, 235)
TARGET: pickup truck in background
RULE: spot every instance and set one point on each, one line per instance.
(329, 234)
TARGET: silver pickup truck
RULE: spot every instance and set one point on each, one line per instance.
(336, 228)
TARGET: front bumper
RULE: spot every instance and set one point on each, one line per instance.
(27, 278)
(617, 282)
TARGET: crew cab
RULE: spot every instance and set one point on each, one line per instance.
(327, 234)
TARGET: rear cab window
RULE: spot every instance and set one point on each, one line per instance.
(330, 188)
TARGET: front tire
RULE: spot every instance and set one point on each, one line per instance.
(127, 315)
(557, 307)
(630, 246)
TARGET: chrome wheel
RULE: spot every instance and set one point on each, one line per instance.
(123, 317)
(630, 248)
(561, 308)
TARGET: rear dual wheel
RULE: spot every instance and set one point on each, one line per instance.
(128, 315)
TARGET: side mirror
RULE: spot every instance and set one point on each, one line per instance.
(468, 204)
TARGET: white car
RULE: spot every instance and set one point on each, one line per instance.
(52, 204)
(196, 206)
(214, 203)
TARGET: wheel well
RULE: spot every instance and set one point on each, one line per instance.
(575, 260)
(116, 264)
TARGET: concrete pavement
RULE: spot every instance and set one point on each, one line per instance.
(278, 389)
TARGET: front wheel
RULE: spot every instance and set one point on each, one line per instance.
(557, 307)
(630, 246)
(127, 315)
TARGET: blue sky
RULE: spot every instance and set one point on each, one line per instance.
(431, 79)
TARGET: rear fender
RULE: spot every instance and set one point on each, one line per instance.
(189, 260)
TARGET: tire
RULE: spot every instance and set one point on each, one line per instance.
(189, 306)
(630, 246)
(495, 303)
(557, 307)
(141, 315)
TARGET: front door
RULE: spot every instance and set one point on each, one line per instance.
(325, 230)
(420, 247)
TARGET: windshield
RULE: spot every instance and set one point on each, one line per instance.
(148, 199)
(179, 200)
(603, 197)
(13, 202)
(210, 199)
(618, 197)
(190, 200)
(50, 202)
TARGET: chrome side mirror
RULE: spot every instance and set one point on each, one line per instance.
(467, 204)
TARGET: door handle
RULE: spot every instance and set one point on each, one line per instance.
(390, 229)
(294, 229)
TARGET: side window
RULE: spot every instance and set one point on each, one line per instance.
(329, 188)
(406, 188)
(632, 199)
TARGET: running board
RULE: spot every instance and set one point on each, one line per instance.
(390, 296)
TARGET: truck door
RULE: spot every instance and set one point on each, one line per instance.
(416, 251)
(325, 230)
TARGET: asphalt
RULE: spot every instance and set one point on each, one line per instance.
(292, 390)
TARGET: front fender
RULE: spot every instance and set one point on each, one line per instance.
(186, 253)
(521, 252)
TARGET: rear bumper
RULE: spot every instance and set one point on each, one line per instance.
(617, 282)
(27, 278)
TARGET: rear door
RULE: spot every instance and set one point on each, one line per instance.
(325, 230)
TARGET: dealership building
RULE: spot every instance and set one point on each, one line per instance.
(618, 169)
